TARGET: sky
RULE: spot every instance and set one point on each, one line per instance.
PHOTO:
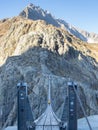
(79, 13)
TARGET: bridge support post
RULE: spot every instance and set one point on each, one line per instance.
(72, 107)
(22, 99)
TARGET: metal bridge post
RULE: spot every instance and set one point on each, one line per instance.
(22, 99)
(72, 107)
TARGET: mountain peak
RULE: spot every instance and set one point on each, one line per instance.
(38, 8)
(37, 13)
(32, 6)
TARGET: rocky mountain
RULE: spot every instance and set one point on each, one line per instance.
(37, 13)
(30, 50)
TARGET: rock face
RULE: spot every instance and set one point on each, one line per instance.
(36, 13)
(32, 50)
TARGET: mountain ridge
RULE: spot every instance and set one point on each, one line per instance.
(35, 13)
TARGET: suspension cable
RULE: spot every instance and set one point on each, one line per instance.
(82, 108)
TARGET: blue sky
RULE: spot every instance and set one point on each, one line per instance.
(80, 13)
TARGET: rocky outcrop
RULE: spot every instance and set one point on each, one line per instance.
(32, 50)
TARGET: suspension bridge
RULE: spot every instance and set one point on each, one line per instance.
(48, 120)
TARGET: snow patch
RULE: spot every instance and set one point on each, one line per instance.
(82, 123)
(11, 128)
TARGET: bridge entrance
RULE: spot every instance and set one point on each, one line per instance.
(48, 120)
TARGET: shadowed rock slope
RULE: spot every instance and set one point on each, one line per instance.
(31, 50)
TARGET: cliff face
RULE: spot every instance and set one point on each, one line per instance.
(32, 50)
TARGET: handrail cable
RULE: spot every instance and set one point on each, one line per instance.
(82, 108)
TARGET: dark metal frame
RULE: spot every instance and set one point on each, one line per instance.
(25, 116)
(72, 107)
